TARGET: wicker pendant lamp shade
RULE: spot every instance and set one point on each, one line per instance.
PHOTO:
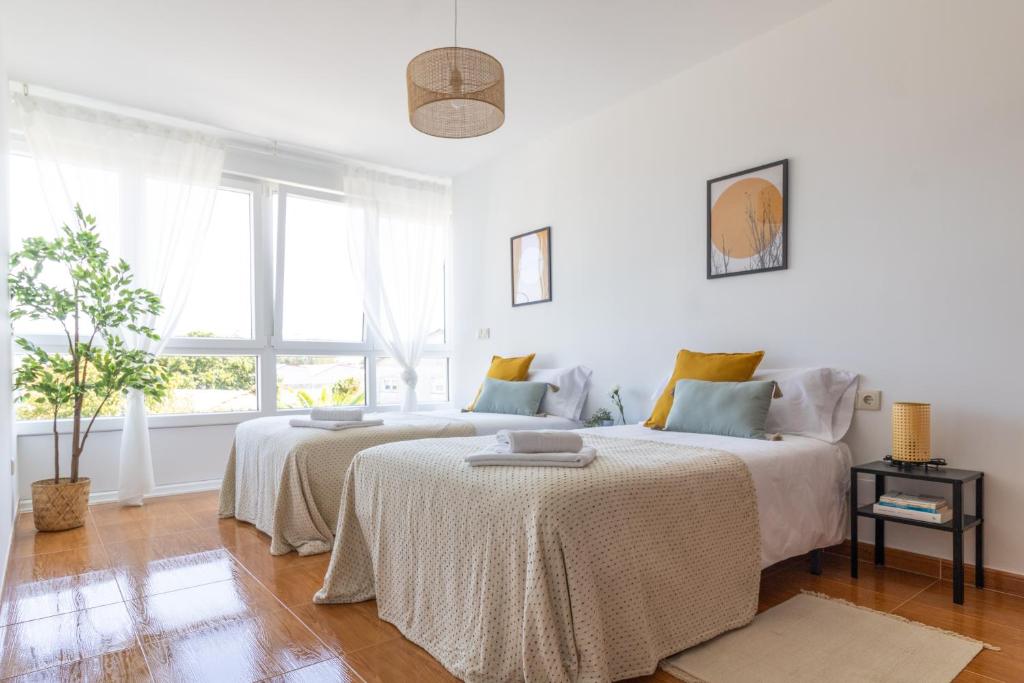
(455, 92)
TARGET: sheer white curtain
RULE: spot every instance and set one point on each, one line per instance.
(166, 181)
(398, 230)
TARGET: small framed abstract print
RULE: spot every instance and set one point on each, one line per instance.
(531, 267)
(748, 227)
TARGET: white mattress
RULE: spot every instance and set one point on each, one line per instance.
(802, 485)
(487, 424)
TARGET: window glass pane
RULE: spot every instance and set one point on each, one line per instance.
(306, 381)
(94, 189)
(220, 303)
(26, 407)
(197, 384)
(432, 386)
(319, 302)
(208, 384)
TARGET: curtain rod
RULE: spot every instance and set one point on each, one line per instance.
(239, 140)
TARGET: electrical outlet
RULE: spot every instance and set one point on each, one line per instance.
(869, 400)
(483, 333)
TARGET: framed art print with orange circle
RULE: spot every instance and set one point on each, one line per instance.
(747, 221)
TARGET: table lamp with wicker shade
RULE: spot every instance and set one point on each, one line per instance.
(911, 432)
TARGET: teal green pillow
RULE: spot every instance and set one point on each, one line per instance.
(725, 408)
(510, 398)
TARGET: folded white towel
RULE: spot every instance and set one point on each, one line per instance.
(333, 425)
(545, 441)
(346, 414)
(583, 458)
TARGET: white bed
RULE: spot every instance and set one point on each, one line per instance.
(801, 485)
(287, 480)
(579, 574)
(595, 573)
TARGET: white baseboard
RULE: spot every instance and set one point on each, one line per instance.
(98, 497)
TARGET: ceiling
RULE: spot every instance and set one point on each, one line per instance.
(330, 74)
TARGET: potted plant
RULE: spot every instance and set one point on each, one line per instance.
(600, 418)
(72, 281)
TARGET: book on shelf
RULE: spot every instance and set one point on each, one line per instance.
(919, 508)
(940, 516)
(913, 500)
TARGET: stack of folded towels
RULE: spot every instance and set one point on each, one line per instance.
(535, 449)
(334, 419)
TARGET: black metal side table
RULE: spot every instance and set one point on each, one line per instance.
(957, 525)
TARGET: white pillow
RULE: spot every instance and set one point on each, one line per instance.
(815, 402)
(843, 416)
(573, 384)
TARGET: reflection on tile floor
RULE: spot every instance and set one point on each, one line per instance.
(169, 592)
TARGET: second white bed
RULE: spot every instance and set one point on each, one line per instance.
(287, 480)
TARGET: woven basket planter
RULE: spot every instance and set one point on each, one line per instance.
(60, 506)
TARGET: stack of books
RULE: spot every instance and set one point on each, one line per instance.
(913, 506)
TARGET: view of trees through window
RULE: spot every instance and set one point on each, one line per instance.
(196, 384)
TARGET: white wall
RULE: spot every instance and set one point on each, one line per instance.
(903, 122)
(181, 455)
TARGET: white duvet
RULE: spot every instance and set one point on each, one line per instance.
(802, 485)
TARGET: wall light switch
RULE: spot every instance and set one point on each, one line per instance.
(869, 400)
(483, 333)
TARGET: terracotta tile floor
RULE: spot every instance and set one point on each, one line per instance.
(171, 593)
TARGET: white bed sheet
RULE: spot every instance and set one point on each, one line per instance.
(487, 424)
(802, 485)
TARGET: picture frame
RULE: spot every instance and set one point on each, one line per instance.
(748, 221)
(530, 261)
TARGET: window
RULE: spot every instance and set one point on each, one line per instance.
(28, 409)
(273, 322)
(220, 304)
(203, 375)
(196, 384)
(207, 384)
(318, 300)
(29, 217)
(323, 353)
(307, 381)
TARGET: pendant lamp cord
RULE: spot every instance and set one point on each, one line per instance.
(456, 29)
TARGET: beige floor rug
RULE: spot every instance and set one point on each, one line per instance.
(815, 638)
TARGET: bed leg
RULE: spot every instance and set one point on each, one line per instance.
(816, 562)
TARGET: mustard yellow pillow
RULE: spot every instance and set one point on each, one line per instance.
(710, 367)
(508, 369)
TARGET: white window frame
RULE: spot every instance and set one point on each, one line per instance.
(371, 349)
(267, 273)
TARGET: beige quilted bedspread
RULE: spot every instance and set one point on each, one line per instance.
(549, 574)
(287, 481)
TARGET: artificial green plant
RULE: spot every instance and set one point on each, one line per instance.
(94, 303)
